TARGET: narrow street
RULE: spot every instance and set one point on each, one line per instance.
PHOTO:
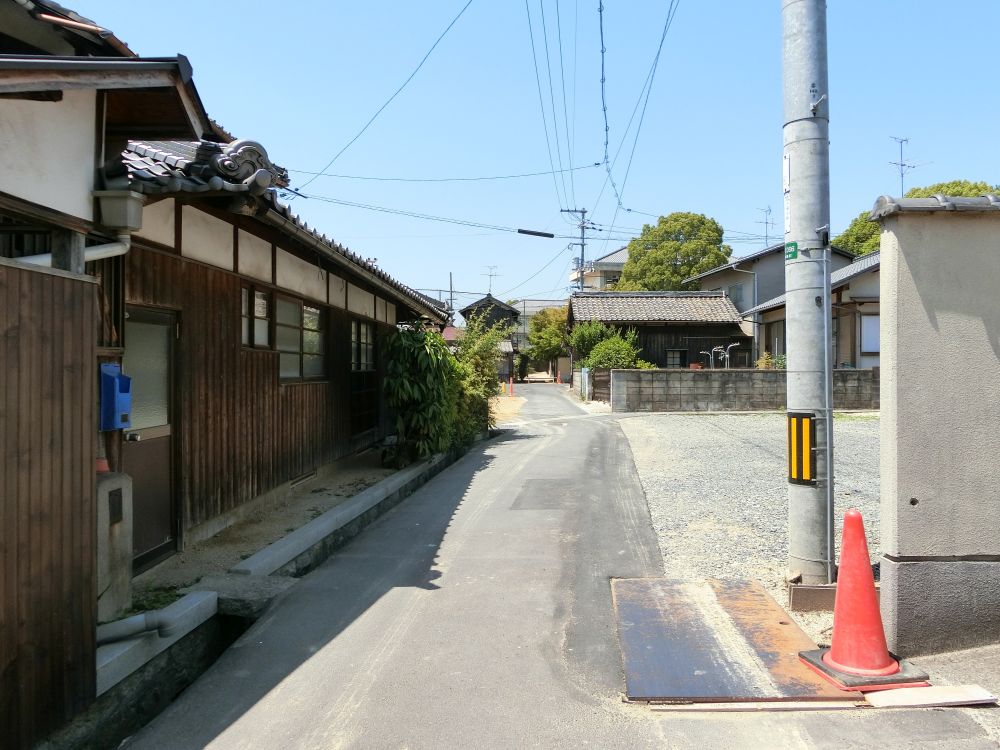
(478, 614)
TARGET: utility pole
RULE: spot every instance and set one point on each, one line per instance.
(903, 166)
(451, 295)
(806, 183)
(583, 238)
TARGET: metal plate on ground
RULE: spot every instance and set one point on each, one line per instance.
(716, 641)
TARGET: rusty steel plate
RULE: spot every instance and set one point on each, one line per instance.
(718, 641)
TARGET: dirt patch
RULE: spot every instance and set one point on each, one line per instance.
(505, 408)
(218, 554)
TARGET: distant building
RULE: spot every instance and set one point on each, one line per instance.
(601, 273)
(494, 311)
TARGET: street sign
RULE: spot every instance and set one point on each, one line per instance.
(791, 250)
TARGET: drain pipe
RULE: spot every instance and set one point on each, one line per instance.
(129, 627)
(96, 252)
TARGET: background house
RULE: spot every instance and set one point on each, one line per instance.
(600, 273)
(674, 327)
(855, 322)
(494, 311)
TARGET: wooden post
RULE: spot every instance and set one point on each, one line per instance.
(67, 250)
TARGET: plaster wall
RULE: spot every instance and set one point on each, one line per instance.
(206, 238)
(338, 291)
(254, 256)
(53, 156)
(940, 341)
(300, 276)
(360, 302)
(158, 222)
(390, 313)
(380, 309)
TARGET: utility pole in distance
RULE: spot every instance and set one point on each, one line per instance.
(806, 183)
(583, 237)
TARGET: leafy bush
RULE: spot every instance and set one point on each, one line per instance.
(585, 336)
(765, 361)
(421, 388)
(478, 353)
(613, 353)
(780, 362)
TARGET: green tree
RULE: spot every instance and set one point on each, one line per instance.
(677, 247)
(862, 235)
(547, 334)
(620, 351)
(477, 355)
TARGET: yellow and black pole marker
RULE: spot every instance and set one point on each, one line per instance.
(801, 448)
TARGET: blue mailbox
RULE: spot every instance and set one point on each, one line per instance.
(116, 398)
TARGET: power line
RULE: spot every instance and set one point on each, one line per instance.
(552, 98)
(562, 76)
(442, 179)
(418, 215)
(394, 95)
(551, 261)
(541, 105)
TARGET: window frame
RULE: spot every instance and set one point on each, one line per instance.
(300, 352)
(251, 292)
(682, 355)
(358, 364)
(862, 339)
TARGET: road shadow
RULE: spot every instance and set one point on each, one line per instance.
(399, 550)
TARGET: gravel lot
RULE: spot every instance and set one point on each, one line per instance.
(716, 489)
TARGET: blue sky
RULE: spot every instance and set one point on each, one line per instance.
(303, 78)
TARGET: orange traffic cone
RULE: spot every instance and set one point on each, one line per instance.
(858, 658)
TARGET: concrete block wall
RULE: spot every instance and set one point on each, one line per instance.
(940, 477)
(729, 390)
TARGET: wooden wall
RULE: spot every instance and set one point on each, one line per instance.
(241, 432)
(656, 340)
(48, 591)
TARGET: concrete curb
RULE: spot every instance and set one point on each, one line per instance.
(291, 555)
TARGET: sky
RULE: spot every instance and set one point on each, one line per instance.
(305, 78)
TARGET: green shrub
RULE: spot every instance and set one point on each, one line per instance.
(613, 353)
(585, 336)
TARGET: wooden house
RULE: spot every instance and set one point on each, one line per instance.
(675, 329)
(136, 232)
(493, 311)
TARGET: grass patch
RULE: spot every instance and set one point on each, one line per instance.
(150, 599)
(848, 416)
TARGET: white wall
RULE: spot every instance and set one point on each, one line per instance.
(254, 256)
(49, 151)
(301, 276)
(158, 222)
(205, 238)
(360, 302)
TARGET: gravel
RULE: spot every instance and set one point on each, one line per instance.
(717, 494)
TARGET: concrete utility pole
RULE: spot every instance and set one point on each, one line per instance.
(583, 238)
(806, 177)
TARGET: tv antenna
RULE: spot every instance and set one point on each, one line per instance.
(768, 223)
(491, 273)
(902, 165)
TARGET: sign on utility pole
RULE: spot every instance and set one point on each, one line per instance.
(806, 178)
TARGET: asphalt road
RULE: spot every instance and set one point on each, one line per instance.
(477, 614)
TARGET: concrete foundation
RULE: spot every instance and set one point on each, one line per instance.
(114, 545)
(918, 593)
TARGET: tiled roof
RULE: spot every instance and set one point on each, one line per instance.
(241, 167)
(756, 256)
(488, 301)
(886, 205)
(863, 264)
(617, 258)
(654, 307)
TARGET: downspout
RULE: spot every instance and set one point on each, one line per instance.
(129, 627)
(97, 252)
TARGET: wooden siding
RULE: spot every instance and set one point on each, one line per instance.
(48, 591)
(239, 431)
(655, 341)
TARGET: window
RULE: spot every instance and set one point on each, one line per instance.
(869, 334)
(255, 318)
(676, 358)
(298, 336)
(362, 346)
